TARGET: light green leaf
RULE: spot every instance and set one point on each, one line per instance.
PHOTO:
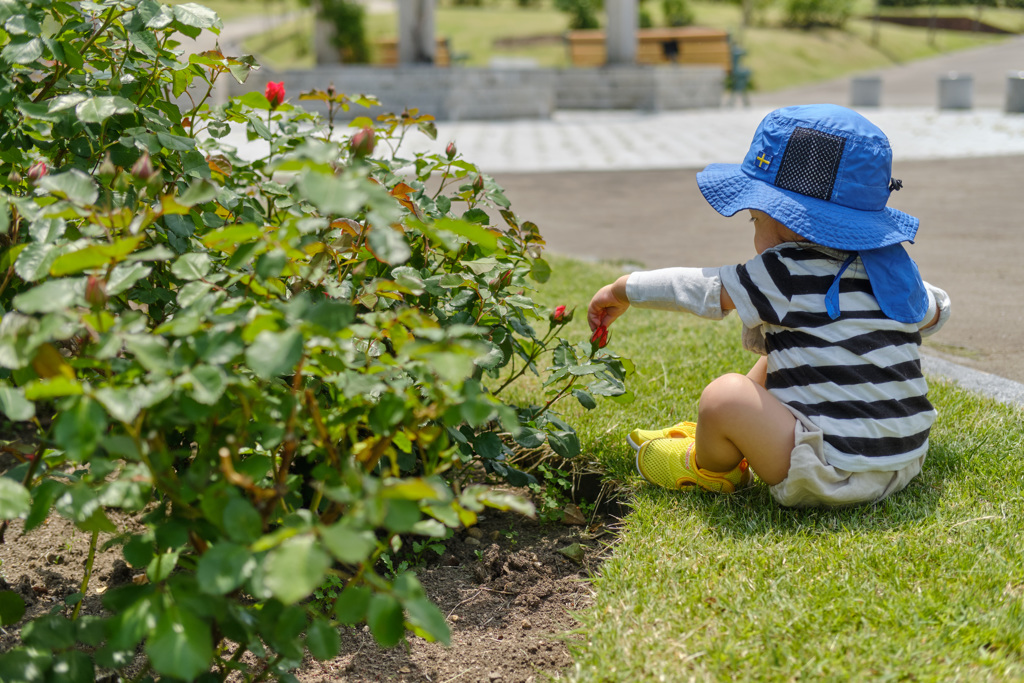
(23, 52)
(14, 405)
(95, 256)
(295, 568)
(124, 277)
(192, 292)
(347, 544)
(99, 109)
(52, 295)
(74, 185)
(120, 403)
(208, 383)
(331, 194)
(180, 645)
(34, 260)
(425, 615)
(192, 14)
(15, 500)
(161, 566)
(54, 387)
(199, 192)
(389, 245)
(274, 353)
(223, 568)
(193, 266)
(145, 42)
(471, 231)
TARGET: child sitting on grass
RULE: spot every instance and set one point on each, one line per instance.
(835, 412)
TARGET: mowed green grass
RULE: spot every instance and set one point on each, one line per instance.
(779, 57)
(926, 586)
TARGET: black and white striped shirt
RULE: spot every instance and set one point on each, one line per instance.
(858, 377)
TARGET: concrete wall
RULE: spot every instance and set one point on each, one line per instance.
(488, 94)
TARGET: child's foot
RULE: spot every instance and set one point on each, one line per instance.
(671, 463)
(638, 437)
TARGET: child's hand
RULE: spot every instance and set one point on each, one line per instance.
(608, 304)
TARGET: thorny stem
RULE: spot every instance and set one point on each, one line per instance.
(543, 347)
(88, 574)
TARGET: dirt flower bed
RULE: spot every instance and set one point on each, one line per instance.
(509, 588)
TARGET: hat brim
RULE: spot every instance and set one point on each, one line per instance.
(729, 190)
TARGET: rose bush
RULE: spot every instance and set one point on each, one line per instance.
(283, 368)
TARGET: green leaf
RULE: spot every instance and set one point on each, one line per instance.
(161, 566)
(195, 15)
(389, 245)
(274, 353)
(119, 402)
(74, 185)
(331, 194)
(78, 429)
(241, 521)
(352, 604)
(180, 645)
(24, 52)
(295, 568)
(208, 383)
(322, 639)
(585, 399)
(52, 295)
(566, 444)
(74, 667)
(15, 500)
(199, 192)
(32, 260)
(384, 617)
(194, 266)
(12, 608)
(14, 405)
(223, 568)
(425, 615)
(347, 544)
(95, 256)
(43, 497)
(540, 270)
(99, 109)
(471, 231)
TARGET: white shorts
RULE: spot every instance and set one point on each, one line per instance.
(813, 482)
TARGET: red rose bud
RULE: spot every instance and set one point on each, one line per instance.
(143, 168)
(363, 141)
(478, 184)
(561, 315)
(600, 337)
(275, 94)
(37, 171)
(95, 292)
(450, 151)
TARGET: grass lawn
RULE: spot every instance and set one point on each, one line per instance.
(779, 57)
(928, 585)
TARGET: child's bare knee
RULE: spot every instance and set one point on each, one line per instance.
(722, 396)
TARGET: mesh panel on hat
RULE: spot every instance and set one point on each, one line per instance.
(810, 163)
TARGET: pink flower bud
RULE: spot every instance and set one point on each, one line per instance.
(37, 171)
(275, 94)
(143, 168)
(362, 143)
(95, 292)
(450, 151)
(478, 184)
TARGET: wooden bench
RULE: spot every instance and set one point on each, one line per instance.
(387, 52)
(683, 45)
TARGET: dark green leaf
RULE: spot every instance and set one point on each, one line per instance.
(242, 522)
(99, 109)
(540, 270)
(347, 544)
(78, 429)
(12, 608)
(585, 399)
(352, 604)
(322, 639)
(425, 615)
(385, 620)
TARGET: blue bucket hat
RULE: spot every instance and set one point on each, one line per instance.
(825, 172)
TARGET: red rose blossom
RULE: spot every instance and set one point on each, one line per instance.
(275, 93)
(558, 314)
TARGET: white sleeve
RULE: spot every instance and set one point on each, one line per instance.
(938, 301)
(694, 290)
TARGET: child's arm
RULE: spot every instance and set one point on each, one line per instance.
(695, 290)
(938, 310)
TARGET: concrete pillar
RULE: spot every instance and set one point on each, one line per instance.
(416, 42)
(1015, 92)
(324, 48)
(866, 91)
(956, 91)
(620, 35)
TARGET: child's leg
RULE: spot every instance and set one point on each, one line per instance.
(738, 418)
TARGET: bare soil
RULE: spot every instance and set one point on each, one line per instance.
(509, 587)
